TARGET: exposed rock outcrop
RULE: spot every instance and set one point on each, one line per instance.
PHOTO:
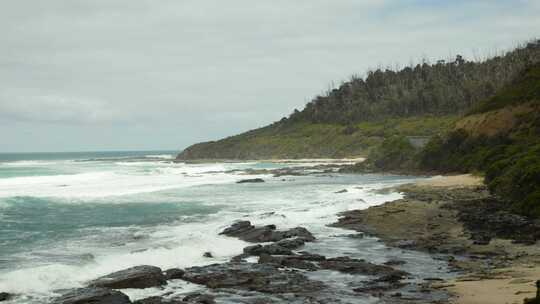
(356, 266)
(264, 278)
(93, 295)
(272, 249)
(136, 277)
(173, 274)
(156, 300)
(244, 230)
(250, 180)
(199, 298)
(288, 261)
(4, 296)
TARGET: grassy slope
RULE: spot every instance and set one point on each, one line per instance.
(308, 140)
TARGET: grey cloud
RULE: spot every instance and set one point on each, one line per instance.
(210, 68)
(53, 108)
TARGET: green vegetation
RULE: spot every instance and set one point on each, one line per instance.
(499, 136)
(444, 88)
(511, 166)
(308, 140)
(510, 158)
(523, 89)
(395, 153)
(351, 120)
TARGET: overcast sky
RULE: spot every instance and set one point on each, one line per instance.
(133, 74)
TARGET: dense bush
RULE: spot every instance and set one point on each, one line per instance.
(516, 176)
(524, 88)
(511, 158)
(437, 89)
(512, 167)
(394, 153)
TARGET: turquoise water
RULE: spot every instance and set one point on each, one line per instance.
(84, 156)
(67, 218)
(31, 223)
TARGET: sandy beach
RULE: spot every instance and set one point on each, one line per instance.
(508, 285)
(462, 180)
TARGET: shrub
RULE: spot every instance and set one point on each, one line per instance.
(394, 153)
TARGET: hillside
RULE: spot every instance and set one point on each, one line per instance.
(355, 118)
(500, 137)
(315, 140)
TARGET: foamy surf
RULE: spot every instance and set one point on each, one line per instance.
(107, 217)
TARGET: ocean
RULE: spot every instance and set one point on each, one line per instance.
(66, 218)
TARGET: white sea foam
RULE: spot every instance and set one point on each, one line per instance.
(161, 156)
(285, 204)
(28, 163)
(179, 246)
(113, 182)
(183, 245)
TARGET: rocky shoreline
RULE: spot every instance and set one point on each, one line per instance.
(275, 269)
(463, 226)
(280, 275)
(485, 243)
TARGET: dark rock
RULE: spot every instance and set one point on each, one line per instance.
(394, 262)
(378, 288)
(4, 296)
(341, 191)
(199, 298)
(306, 256)
(433, 279)
(240, 258)
(136, 277)
(261, 234)
(300, 232)
(265, 278)
(173, 274)
(157, 300)
(481, 239)
(208, 254)
(269, 259)
(287, 261)
(93, 295)
(272, 249)
(525, 240)
(150, 300)
(291, 243)
(250, 180)
(405, 244)
(355, 266)
(249, 233)
(490, 217)
(238, 228)
(393, 277)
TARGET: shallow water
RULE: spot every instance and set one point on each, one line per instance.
(68, 218)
